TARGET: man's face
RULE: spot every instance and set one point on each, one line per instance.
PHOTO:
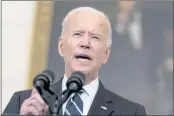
(84, 43)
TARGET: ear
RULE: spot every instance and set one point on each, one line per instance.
(60, 46)
(107, 54)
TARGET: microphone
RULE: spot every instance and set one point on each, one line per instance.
(42, 83)
(74, 84)
(43, 80)
(76, 81)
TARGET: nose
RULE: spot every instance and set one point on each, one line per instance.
(85, 43)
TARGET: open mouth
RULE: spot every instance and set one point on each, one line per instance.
(83, 57)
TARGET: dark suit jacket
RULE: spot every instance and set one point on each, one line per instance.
(115, 104)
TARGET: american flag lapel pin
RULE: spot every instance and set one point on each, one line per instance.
(103, 107)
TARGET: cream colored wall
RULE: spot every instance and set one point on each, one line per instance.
(17, 24)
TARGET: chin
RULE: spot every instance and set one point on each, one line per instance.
(84, 70)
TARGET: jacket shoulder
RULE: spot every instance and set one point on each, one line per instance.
(125, 105)
(122, 99)
(24, 93)
(13, 107)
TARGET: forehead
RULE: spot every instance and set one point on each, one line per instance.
(87, 20)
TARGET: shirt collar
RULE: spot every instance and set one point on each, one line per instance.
(90, 89)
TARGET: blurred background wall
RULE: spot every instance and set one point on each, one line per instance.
(25, 39)
(140, 67)
(17, 25)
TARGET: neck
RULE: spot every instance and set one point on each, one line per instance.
(88, 76)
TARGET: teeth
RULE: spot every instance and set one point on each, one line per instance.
(83, 60)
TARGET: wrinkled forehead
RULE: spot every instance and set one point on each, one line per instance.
(91, 21)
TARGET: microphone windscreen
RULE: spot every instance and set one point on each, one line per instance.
(76, 81)
(47, 76)
(79, 75)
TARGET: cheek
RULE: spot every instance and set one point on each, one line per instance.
(65, 50)
(67, 45)
(69, 49)
(99, 56)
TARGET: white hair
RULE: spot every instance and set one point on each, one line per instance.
(74, 11)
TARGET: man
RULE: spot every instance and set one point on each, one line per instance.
(85, 45)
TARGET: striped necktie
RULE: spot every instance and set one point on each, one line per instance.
(74, 106)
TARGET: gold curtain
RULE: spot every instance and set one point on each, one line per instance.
(40, 39)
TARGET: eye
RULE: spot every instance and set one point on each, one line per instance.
(77, 34)
(95, 37)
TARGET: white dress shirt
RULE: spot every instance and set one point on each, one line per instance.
(87, 96)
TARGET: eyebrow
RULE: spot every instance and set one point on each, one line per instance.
(94, 34)
(83, 31)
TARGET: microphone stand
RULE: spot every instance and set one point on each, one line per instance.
(54, 110)
(58, 103)
(60, 98)
(74, 84)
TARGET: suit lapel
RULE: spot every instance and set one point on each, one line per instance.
(102, 103)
